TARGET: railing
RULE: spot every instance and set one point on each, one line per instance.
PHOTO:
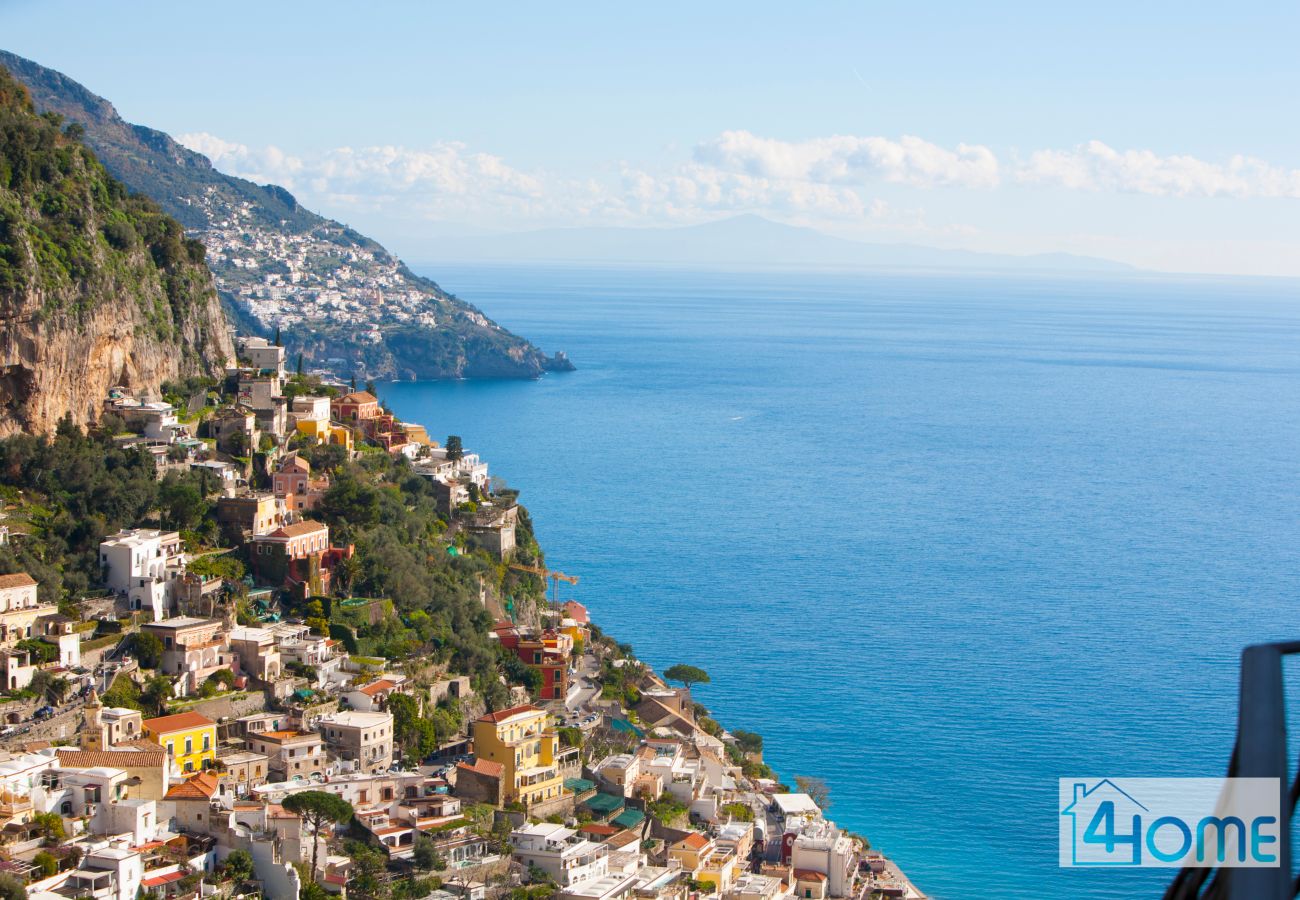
(1260, 752)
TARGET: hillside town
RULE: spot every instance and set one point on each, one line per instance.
(287, 278)
(223, 714)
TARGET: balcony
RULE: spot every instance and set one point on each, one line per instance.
(12, 804)
(1260, 752)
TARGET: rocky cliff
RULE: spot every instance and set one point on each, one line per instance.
(97, 287)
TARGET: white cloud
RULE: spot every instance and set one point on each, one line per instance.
(446, 178)
(1094, 166)
(847, 160)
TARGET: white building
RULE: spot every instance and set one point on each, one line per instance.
(561, 852)
(363, 738)
(824, 848)
(143, 563)
(263, 354)
(310, 409)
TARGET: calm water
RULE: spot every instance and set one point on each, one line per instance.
(942, 540)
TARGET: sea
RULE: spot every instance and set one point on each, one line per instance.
(942, 539)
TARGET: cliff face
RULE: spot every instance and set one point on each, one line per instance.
(343, 301)
(97, 288)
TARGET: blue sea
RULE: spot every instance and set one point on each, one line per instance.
(941, 539)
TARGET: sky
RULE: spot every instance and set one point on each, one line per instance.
(1160, 134)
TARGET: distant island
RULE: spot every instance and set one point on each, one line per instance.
(748, 240)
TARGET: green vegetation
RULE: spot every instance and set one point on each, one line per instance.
(152, 699)
(741, 812)
(389, 512)
(619, 683)
(318, 809)
(46, 863)
(77, 488)
(666, 809)
(687, 675)
(816, 788)
(147, 649)
(72, 232)
(50, 826)
(238, 867)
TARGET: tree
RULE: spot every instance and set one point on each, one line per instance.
(366, 883)
(41, 651)
(748, 741)
(239, 443)
(158, 691)
(816, 788)
(426, 854)
(277, 336)
(53, 688)
(50, 825)
(417, 736)
(46, 862)
(238, 866)
(455, 449)
(11, 887)
(318, 808)
(147, 648)
(687, 675)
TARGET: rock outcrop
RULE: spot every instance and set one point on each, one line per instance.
(97, 288)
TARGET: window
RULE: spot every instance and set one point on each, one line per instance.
(189, 746)
(207, 742)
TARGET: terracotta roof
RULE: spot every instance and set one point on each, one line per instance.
(200, 787)
(18, 579)
(502, 714)
(159, 880)
(808, 875)
(360, 397)
(295, 462)
(599, 830)
(112, 759)
(695, 841)
(622, 839)
(376, 687)
(178, 722)
(484, 767)
(298, 529)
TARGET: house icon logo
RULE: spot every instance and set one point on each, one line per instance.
(1106, 825)
(1121, 823)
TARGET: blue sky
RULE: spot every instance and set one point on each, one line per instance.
(1161, 134)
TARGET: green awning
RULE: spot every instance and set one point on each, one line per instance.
(628, 818)
(604, 804)
(579, 785)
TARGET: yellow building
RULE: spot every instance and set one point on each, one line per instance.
(520, 739)
(325, 432)
(705, 859)
(189, 739)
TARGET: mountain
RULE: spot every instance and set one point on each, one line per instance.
(343, 301)
(97, 287)
(742, 241)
